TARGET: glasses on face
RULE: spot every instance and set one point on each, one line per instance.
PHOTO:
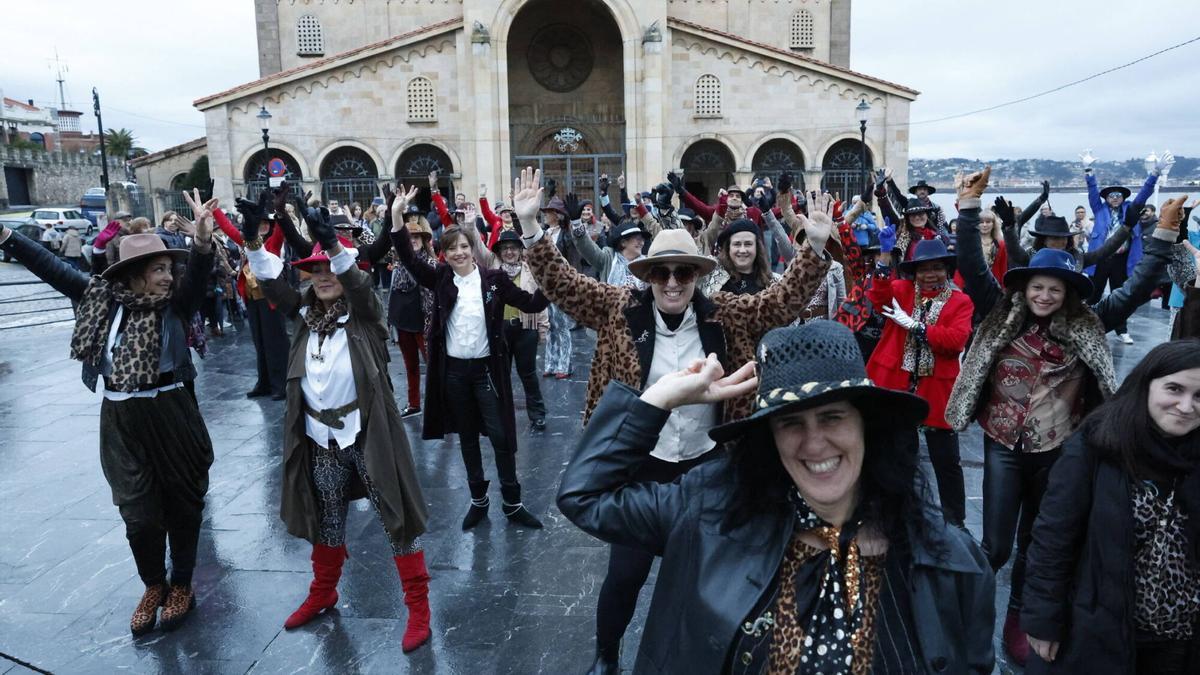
(684, 274)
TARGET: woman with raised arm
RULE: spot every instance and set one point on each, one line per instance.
(343, 436)
(131, 332)
(1038, 364)
(468, 387)
(809, 544)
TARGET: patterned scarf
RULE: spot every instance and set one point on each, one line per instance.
(619, 274)
(832, 640)
(136, 356)
(511, 269)
(323, 320)
(917, 359)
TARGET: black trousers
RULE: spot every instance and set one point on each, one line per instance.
(522, 349)
(1110, 272)
(471, 389)
(628, 567)
(1013, 485)
(269, 332)
(947, 469)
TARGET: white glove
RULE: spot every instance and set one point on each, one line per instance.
(901, 317)
(1164, 163)
(818, 230)
(1087, 159)
(1194, 226)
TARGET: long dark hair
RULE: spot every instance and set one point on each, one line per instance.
(895, 492)
(1121, 427)
(761, 271)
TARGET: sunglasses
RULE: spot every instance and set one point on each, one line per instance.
(660, 274)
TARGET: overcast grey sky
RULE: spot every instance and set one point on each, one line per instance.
(159, 56)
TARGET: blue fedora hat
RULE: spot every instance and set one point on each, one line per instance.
(1053, 263)
(929, 250)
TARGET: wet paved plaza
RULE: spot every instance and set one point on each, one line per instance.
(504, 600)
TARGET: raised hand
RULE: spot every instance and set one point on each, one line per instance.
(887, 173)
(785, 182)
(389, 197)
(252, 217)
(1087, 159)
(320, 228)
(1045, 190)
(280, 196)
(1005, 212)
(433, 181)
(399, 205)
(551, 188)
(972, 186)
(1171, 214)
(703, 381)
(818, 229)
(483, 190)
(195, 203)
(527, 199)
(621, 180)
(574, 210)
(1164, 163)
(887, 239)
(675, 181)
(604, 184)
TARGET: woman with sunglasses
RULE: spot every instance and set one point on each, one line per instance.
(641, 335)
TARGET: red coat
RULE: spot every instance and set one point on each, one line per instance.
(947, 338)
(999, 266)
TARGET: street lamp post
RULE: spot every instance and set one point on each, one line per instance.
(861, 111)
(264, 121)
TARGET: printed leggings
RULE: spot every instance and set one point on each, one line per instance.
(558, 342)
(332, 471)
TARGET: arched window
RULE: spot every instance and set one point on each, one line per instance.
(802, 30)
(256, 175)
(707, 168)
(708, 96)
(414, 167)
(38, 138)
(843, 169)
(349, 175)
(310, 41)
(777, 156)
(422, 101)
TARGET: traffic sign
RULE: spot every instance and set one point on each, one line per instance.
(276, 167)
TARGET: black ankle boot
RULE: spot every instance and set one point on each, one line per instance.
(479, 505)
(607, 662)
(519, 515)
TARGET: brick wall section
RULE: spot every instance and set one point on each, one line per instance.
(56, 178)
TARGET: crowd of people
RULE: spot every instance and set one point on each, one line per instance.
(765, 368)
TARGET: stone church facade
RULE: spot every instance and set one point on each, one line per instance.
(363, 92)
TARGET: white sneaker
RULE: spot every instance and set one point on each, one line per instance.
(1126, 339)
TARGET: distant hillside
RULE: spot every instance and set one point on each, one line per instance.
(1029, 173)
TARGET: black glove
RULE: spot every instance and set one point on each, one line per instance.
(675, 181)
(279, 197)
(880, 179)
(662, 197)
(1004, 209)
(785, 182)
(604, 184)
(764, 202)
(1045, 190)
(320, 228)
(388, 196)
(1133, 214)
(868, 190)
(574, 210)
(551, 188)
(252, 214)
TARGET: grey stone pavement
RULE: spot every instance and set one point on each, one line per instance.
(504, 600)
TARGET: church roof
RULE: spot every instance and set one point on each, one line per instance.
(172, 151)
(328, 63)
(790, 56)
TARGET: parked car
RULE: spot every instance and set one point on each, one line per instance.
(26, 226)
(63, 218)
(92, 204)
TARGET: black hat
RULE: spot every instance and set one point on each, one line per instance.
(1051, 226)
(817, 363)
(1115, 188)
(917, 206)
(929, 250)
(1054, 263)
(626, 228)
(413, 210)
(507, 237)
(912, 190)
(686, 215)
(739, 225)
(341, 221)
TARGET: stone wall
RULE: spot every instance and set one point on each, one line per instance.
(56, 178)
(157, 173)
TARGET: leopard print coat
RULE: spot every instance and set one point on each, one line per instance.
(1081, 336)
(625, 357)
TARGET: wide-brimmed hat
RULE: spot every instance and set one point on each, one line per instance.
(912, 190)
(135, 247)
(318, 255)
(1051, 226)
(1115, 188)
(507, 237)
(556, 204)
(686, 215)
(501, 207)
(1054, 263)
(928, 250)
(422, 228)
(817, 363)
(341, 221)
(739, 225)
(121, 215)
(915, 205)
(672, 246)
(736, 188)
(624, 230)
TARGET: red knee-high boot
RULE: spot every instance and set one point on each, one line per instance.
(322, 593)
(414, 578)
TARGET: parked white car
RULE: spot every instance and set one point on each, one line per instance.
(63, 218)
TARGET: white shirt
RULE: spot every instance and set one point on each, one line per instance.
(466, 331)
(114, 338)
(685, 435)
(328, 383)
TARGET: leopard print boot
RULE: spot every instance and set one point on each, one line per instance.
(146, 613)
(178, 605)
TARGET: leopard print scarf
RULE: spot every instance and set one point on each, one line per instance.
(136, 356)
(323, 320)
(917, 359)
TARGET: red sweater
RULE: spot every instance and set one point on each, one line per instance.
(273, 243)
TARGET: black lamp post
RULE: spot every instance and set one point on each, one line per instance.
(264, 121)
(861, 111)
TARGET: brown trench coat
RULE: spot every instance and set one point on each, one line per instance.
(382, 438)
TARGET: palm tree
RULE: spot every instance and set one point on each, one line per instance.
(120, 142)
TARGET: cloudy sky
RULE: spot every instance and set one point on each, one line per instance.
(151, 58)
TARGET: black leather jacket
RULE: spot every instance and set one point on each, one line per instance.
(712, 577)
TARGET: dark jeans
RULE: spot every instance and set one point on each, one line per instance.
(1013, 485)
(469, 385)
(383, 276)
(270, 345)
(1110, 271)
(148, 526)
(522, 349)
(628, 567)
(947, 469)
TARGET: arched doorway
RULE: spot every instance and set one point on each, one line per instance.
(566, 91)
(414, 167)
(256, 176)
(777, 156)
(842, 168)
(707, 168)
(349, 175)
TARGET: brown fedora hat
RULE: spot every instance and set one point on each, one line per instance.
(135, 247)
(672, 246)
